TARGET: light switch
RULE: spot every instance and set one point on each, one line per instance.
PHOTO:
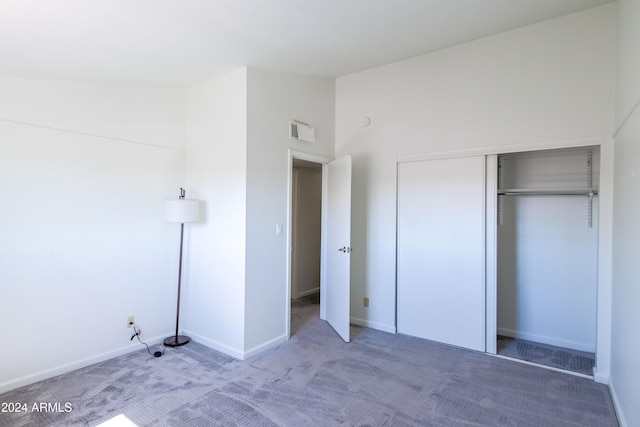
(278, 229)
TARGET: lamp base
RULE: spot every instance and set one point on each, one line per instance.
(173, 342)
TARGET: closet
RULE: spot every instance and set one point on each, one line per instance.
(547, 256)
(501, 249)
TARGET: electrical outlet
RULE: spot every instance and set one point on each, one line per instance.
(366, 301)
(131, 320)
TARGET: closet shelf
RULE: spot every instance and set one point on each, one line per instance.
(547, 191)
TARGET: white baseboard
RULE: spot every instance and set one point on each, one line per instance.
(265, 346)
(616, 405)
(215, 345)
(133, 346)
(234, 352)
(543, 339)
(373, 325)
(599, 378)
(78, 364)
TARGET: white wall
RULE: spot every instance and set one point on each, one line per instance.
(144, 114)
(625, 365)
(237, 162)
(217, 175)
(273, 100)
(546, 82)
(84, 169)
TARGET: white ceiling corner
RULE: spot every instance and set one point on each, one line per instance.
(179, 43)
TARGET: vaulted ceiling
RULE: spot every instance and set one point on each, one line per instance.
(182, 42)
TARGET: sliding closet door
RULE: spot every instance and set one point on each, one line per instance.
(440, 282)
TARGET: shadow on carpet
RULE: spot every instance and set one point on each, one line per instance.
(543, 354)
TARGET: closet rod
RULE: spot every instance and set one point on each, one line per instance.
(548, 192)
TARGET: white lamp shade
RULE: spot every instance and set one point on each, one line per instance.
(182, 210)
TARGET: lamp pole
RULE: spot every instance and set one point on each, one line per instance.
(187, 211)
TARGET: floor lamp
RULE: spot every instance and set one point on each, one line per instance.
(180, 211)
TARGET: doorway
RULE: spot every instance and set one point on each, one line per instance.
(335, 265)
(306, 245)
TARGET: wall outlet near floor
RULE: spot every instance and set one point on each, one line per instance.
(131, 320)
(366, 301)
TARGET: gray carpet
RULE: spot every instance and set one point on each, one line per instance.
(581, 362)
(315, 379)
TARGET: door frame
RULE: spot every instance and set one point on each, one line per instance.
(324, 161)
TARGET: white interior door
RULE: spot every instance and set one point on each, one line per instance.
(338, 248)
(441, 258)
